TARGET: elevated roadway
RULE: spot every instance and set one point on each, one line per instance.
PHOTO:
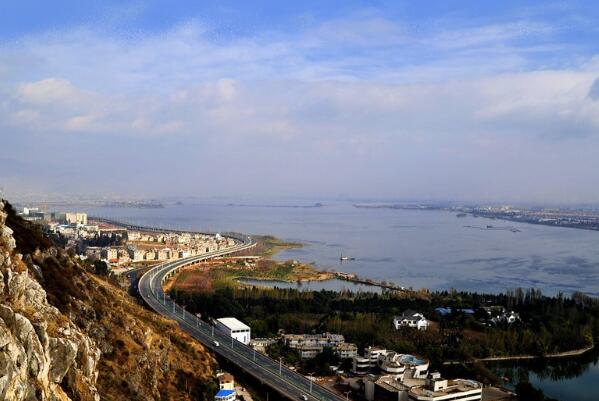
(277, 376)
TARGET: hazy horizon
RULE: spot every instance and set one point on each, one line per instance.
(457, 101)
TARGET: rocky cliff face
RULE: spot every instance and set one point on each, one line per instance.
(66, 334)
(43, 355)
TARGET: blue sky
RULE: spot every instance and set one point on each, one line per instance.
(431, 100)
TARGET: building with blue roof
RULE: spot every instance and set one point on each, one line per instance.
(448, 311)
(225, 395)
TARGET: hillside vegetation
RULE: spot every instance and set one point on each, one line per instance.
(130, 353)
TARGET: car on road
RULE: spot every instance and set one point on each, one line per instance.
(216, 343)
(304, 397)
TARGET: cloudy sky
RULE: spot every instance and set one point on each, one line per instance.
(451, 100)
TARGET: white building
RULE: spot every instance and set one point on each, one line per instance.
(433, 388)
(260, 344)
(164, 253)
(363, 364)
(373, 353)
(76, 218)
(234, 328)
(512, 317)
(226, 381)
(320, 340)
(412, 319)
(403, 365)
(137, 255)
(133, 235)
(438, 389)
(28, 210)
(505, 317)
(346, 350)
(309, 351)
(110, 254)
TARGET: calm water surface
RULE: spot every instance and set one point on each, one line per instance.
(329, 285)
(574, 379)
(411, 248)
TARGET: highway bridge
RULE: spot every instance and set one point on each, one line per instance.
(137, 227)
(277, 376)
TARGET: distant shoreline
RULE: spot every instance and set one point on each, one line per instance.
(565, 354)
(565, 220)
(102, 204)
(315, 205)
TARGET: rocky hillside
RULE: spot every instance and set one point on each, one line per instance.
(66, 334)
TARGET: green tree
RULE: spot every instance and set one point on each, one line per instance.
(101, 267)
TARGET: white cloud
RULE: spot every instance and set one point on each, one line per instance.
(362, 97)
(365, 46)
(524, 104)
(50, 90)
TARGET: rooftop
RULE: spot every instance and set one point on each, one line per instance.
(233, 323)
(391, 384)
(225, 377)
(407, 359)
(453, 386)
(224, 393)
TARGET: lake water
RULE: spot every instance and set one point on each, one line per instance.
(569, 379)
(412, 248)
(330, 285)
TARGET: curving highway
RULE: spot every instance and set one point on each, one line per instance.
(280, 378)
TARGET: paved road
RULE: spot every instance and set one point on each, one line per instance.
(287, 382)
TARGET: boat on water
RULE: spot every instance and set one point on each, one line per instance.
(461, 215)
(344, 258)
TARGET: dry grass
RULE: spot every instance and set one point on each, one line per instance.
(205, 277)
(156, 349)
(144, 357)
(197, 280)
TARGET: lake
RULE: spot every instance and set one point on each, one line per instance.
(565, 379)
(411, 248)
(329, 285)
